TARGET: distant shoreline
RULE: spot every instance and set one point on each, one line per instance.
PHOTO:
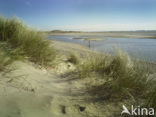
(140, 35)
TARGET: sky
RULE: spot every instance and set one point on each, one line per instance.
(83, 15)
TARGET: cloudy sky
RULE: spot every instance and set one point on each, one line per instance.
(85, 15)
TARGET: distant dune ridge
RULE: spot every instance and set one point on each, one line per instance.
(117, 34)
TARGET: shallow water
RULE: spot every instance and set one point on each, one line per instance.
(143, 49)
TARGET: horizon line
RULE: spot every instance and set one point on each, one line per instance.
(97, 30)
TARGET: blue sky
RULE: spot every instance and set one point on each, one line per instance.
(85, 15)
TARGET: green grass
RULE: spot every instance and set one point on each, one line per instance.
(73, 59)
(123, 79)
(4, 60)
(77, 38)
(151, 100)
(8, 56)
(93, 64)
(27, 41)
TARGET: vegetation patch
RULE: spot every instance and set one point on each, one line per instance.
(77, 38)
(123, 80)
(73, 59)
(4, 60)
(26, 41)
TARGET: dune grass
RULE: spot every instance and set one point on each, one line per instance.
(93, 64)
(8, 56)
(123, 79)
(73, 58)
(27, 41)
(151, 100)
(4, 60)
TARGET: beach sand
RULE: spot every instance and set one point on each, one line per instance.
(31, 91)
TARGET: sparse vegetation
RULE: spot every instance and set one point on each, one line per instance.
(73, 59)
(27, 41)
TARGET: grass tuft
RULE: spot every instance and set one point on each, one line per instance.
(27, 41)
(121, 78)
(4, 60)
(73, 59)
(151, 100)
(93, 64)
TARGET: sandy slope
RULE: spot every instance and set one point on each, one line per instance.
(28, 91)
(31, 92)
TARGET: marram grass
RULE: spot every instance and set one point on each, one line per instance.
(123, 79)
(4, 60)
(27, 41)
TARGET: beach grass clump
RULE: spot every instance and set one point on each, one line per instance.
(73, 58)
(105, 65)
(8, 56)
(151, 100)
(27, 41)
(125, 79)
(4, 60)
(151, 95)
(127, 83)
(93, 64)
(122, 79)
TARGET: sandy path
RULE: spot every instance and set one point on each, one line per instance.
(31, 92)
(28, 91)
